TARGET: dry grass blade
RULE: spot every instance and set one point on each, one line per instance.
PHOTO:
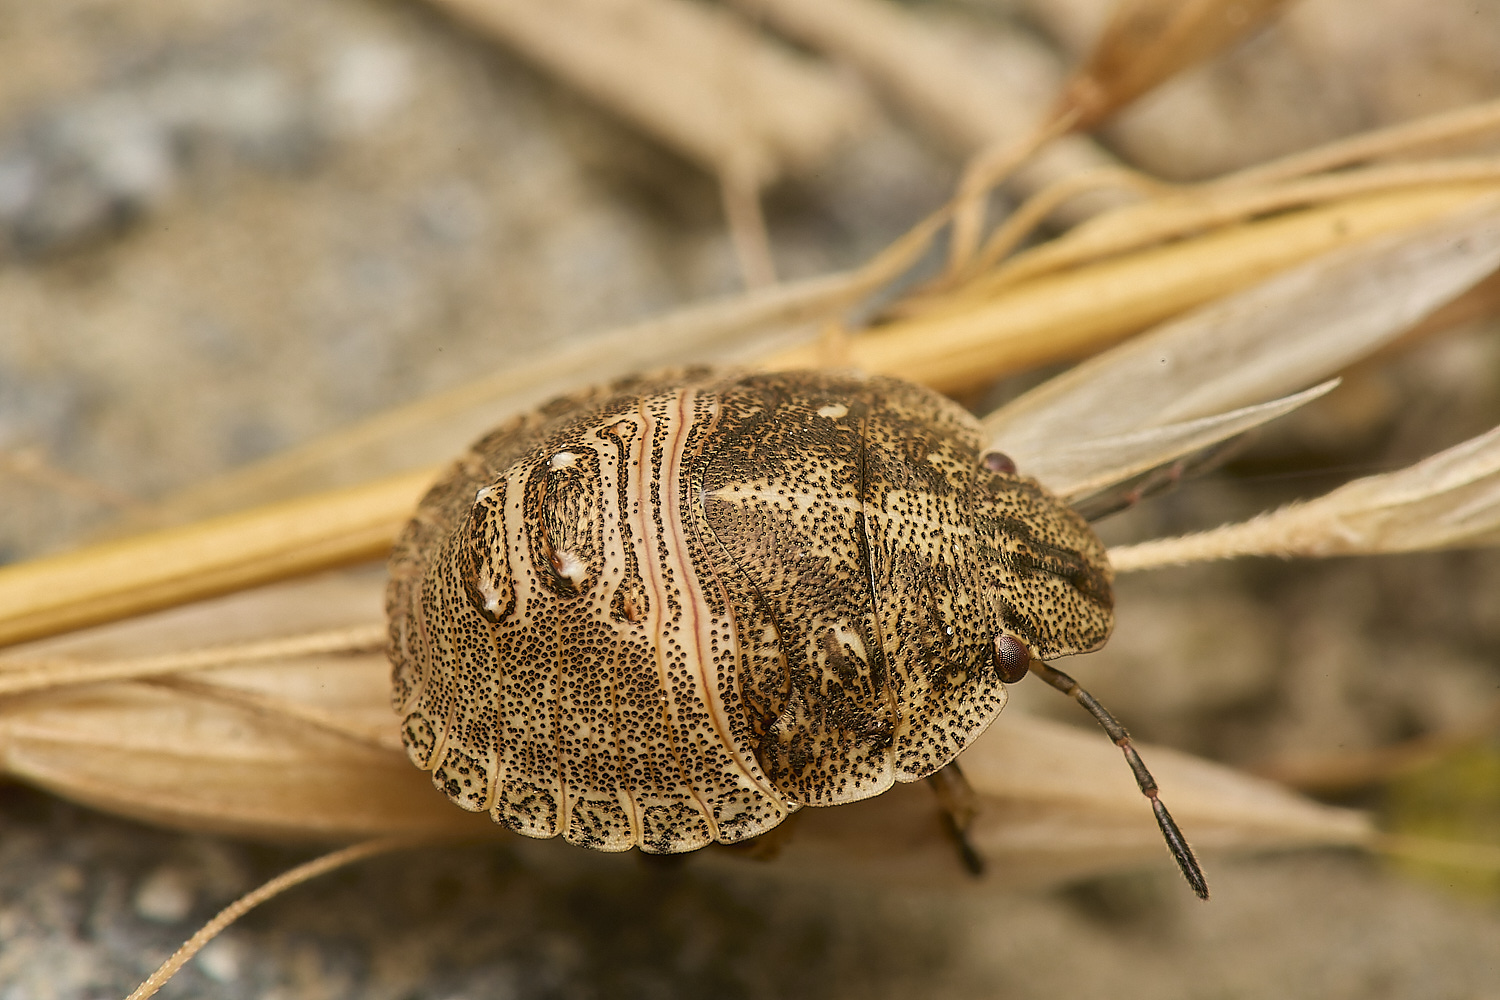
(280, 708)
(1080, 311)
(205, 760)
(1036, 209)
(986, 169)
(1469, 122)
(1449, 500)
(1194, 210)
(1145, 43)
(1303, 325)
(20, 675)
(118, 579)
(1074, 469)
(1149, 41)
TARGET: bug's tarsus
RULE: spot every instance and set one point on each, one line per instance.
(1176, 842)
(958, 802)
(1157, 481)
(766, 846)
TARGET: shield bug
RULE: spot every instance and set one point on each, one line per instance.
(672, 610)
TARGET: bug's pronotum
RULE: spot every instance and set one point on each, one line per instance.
(673, 610)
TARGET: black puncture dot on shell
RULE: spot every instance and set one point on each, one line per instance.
(999, 461)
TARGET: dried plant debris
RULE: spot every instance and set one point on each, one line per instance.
(1446, 501)
(1149, 41)
(1301, 326)
(984, 331)
(1319, 70)
(968, 83)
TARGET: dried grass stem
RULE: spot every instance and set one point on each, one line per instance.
(19, 676)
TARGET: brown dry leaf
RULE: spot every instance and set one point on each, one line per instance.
(1149, 41)
(1447, 501)
(1300, 326)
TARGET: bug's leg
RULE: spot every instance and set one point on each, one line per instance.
(959, 803)
(1176, 842)
(767, 846)
(1163, 479)
(662, 862)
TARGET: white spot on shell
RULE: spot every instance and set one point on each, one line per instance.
(484, 494)
(562, 460)
(489, 593)
(833, 411)
(570, 566)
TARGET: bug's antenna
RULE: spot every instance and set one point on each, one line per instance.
(1176, 842)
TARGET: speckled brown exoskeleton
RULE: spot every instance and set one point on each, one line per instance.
(673, 610)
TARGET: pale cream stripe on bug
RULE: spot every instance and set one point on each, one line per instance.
(561, 663)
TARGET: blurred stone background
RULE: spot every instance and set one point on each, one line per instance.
(226, 227)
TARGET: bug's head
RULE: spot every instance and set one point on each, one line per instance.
(1045, 570)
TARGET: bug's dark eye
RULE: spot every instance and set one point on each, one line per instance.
(998, 461)
(1012, 658)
